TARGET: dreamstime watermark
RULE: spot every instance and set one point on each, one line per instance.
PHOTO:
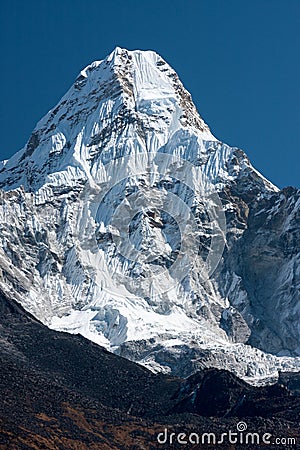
(238, 436)
(157, 185)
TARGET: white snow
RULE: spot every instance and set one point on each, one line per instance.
(78, 279)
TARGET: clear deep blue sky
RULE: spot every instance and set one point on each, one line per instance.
(238, 58)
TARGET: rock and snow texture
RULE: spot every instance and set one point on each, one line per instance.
(124, 219)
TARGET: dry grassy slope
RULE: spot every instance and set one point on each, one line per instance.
(63, 392)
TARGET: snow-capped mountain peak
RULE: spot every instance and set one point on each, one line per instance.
(125, 220)
(128, 92)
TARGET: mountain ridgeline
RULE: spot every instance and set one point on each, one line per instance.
(125, 220)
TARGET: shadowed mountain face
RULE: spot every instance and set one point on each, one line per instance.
(61, 391)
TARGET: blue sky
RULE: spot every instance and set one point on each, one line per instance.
(238, 58)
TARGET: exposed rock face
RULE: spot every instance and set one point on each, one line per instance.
(124, 219)
(267, 260)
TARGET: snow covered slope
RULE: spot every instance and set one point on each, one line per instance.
(124, 219)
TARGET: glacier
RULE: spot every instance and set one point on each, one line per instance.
(125, 220)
